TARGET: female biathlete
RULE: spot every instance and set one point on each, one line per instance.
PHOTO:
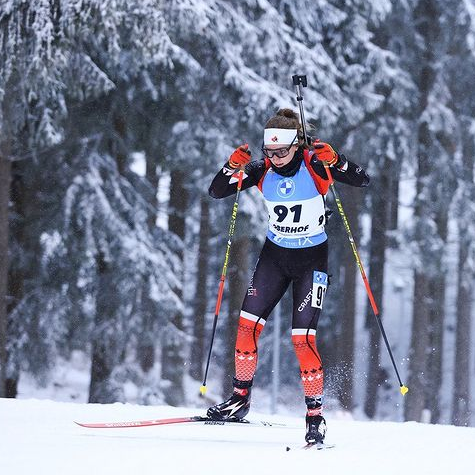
(294, 182)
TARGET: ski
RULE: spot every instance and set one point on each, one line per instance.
(175, 420)
(314, 446)
(317, 446)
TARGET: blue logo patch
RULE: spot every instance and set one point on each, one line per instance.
(320, 278)
(286, 188)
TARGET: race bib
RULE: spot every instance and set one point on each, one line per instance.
(319, 289)
(295, 219)
(296, 209)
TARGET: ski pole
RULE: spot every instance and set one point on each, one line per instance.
(404, 389)
(299, 82)
(232, 226)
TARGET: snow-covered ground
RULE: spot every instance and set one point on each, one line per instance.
(39, 437)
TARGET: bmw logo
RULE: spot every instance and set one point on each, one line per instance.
(286, 187)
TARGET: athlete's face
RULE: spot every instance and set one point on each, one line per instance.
(280, 161)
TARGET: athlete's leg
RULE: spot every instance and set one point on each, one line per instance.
(304, 326)
(267, 286)
(309, 290)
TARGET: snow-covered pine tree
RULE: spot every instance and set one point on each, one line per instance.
(465, 213)
(31, 108)
(82, 53)
(385, 137)
(136, 47)
(436, 144)
(459, 67)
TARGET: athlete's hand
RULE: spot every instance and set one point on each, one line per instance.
(325, 153)
(240, 157)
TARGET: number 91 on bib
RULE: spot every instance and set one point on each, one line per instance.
(320, 283)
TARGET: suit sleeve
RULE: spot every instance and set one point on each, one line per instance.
(350, 174)
(225, 182)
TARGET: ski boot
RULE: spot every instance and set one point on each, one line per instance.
(236, 407)
(316, 425)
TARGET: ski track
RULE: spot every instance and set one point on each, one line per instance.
(39, 437)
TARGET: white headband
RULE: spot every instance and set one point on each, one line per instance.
(280, 136)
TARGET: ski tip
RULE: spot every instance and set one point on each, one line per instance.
(404, 390)
(86, 425)
(203, 390)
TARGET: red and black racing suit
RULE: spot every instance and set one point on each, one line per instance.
(279, 266)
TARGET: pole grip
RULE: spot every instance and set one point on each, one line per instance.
(298, 79)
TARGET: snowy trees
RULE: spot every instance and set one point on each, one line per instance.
(4, 199)
(425, 19)
(459, 66)
(64, 61)
(88, 87)
(439, 142)
(31, 103)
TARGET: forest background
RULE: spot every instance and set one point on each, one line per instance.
(114, 117)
